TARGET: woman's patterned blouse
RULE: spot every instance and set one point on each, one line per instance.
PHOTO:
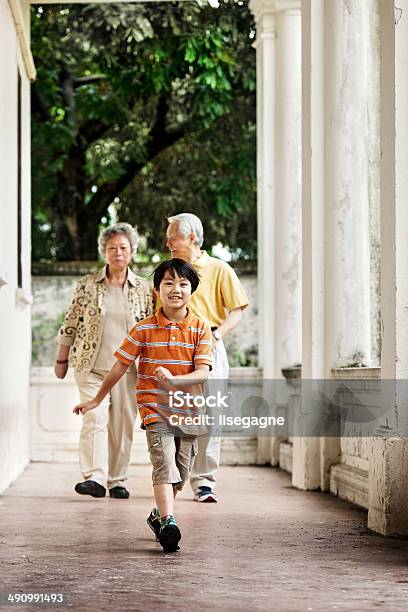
(83, 325)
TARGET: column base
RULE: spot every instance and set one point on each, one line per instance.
(263, 451)
(388, 487)
(306, 463)
(286, 456)
(350, 483)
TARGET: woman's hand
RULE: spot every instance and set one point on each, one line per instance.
(61, 369)
(85, 406)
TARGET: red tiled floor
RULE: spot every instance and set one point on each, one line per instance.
(264, 547)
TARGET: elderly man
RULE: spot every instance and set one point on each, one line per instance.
(220, 300)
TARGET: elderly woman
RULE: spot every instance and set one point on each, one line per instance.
(104, 308)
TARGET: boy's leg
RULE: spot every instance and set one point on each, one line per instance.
(93, 441)
(122, 418)
(186, 453)
(164, 497)
(153, 520)
(165, 476)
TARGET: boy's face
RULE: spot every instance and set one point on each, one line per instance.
(174, 292)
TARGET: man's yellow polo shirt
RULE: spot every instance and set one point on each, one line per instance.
(219, 290)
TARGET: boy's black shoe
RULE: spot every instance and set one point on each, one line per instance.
(90, 487)
(153, 520)
(119, 493)
(169, 535)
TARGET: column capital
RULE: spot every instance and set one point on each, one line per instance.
(260, 8)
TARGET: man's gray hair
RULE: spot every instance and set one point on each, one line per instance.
(114, 230)
(189, 224)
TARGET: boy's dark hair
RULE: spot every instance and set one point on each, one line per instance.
(179, 267)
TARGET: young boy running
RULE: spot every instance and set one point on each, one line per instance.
(174, 350)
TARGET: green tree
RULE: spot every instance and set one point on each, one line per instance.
(149, 107)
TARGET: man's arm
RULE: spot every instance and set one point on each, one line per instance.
(230, 322)
(110, 380)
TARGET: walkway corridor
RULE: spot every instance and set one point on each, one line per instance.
(265, 547)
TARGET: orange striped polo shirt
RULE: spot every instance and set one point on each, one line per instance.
(178, 346)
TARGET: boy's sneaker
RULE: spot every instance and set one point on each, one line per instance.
(153, 520)
(169, 535)
(206, 495)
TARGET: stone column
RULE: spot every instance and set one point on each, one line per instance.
(348, 315)
(279, 215)
(347, 221)
(336, 229)
(287, 335)
(288, 332)
(306, 450)
(265, 46)
(388, 472)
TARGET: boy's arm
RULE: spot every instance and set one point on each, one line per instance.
(167, 379)
(110, 380)
(202, 364)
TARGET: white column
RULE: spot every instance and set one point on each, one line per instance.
(265, 61)
(313, 203)
(287, 333)
(388, 478)
(336, 224)
(287, 336)
(347, 221)
(279, 156)
(306, 450)
(348, 316)
(279, 213)
(265, 46)
(374, 178)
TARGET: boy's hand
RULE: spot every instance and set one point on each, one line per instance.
(164, 377)
(85, 407)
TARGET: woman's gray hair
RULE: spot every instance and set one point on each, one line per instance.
(189, 224)
(114, 230)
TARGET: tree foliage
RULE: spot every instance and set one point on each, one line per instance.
(149, 108)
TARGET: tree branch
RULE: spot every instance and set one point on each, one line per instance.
(159, 140)
(92, 130)
(68, 96)
(87, 80)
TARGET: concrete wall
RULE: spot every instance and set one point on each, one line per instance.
(52, 294)
(15, 337)
(55, 429)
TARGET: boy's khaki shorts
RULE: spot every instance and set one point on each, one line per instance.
(171, 456)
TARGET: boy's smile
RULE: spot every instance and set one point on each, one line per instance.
(174, 294)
